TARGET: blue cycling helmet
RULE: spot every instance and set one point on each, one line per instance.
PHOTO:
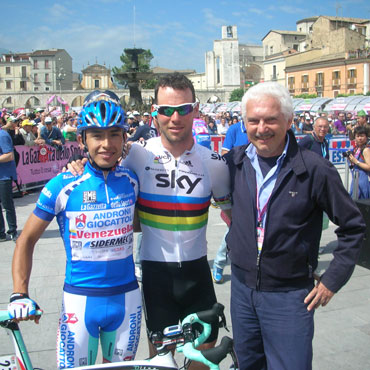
(102, 114)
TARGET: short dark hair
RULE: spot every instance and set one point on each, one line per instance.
(176, 81)
(360, 130)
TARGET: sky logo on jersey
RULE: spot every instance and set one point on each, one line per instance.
(69, 318)
(89, 196)
(80, 221)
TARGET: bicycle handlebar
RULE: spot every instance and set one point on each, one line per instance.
(210, 357)
(5, 316)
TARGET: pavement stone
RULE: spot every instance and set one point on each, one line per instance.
(342, 329)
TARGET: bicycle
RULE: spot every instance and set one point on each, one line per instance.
(183, 337)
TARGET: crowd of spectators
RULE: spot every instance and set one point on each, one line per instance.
(40, 127)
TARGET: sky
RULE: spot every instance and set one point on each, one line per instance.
(178, 32)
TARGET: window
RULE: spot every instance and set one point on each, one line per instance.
(35, 64)
(9, 100)
(319, 79)
(47, 64)
(336, 78)
(295, 47)
(23, 85)
(271, 50)
(7, 70)
(218, 77)
(291, 82)
(352, 76)
(24, 71)
(274, 78)
(304, 82)
(36, 88)
(35, 78)
(229, 31)
(96, 84)
(47, 77)
(47, 88)
(8, 85)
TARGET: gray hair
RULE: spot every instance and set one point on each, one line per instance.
(274, 90)
(321, 118)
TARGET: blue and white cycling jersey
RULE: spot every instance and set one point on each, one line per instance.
(95, 216)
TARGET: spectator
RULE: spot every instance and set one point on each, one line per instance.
(212, 128)
(361, 121)
(52, 135)
(316, 141)
(70, 129)
(8, 174)
(26, 132)
(340, 125)
(297, 126)
(307, 127)
(222, 127)
(360, 163)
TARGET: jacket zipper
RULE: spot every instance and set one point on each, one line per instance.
(105, 175)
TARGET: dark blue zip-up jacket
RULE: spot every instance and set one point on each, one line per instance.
(307, 185)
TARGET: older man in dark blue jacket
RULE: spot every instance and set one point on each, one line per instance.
(280, 192)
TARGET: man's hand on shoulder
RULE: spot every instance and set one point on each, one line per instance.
(76, 167)
(320, 295)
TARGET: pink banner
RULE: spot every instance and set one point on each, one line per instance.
(42, 163)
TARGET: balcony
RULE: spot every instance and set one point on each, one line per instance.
(351, 83)
(336, 84)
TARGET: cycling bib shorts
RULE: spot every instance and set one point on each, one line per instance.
(171, 292)
(116, 319)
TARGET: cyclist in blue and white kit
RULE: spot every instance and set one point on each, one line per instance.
(95, 213)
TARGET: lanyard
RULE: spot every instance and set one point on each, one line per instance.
(260, 228)
(323, 149)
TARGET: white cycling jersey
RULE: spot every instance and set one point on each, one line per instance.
(174, 198)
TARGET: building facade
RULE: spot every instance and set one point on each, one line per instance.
(326, 56)
(230, 65)
(97, 76)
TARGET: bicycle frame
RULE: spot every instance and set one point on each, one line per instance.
(164, 360)
(21, 355)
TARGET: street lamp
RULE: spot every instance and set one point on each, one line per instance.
(60, 77)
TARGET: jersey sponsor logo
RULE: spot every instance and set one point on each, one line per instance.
(80, 221)
(127, 239)
(46, 192)
(76, 244)
(80, 234)
(69, 318)
(187, 163)
(93, 206)
(183, 182)
(217, 157)
(89, 196)
(66, 350)
(162, 158)
(134, 334)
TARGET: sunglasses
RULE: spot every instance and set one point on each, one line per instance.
(169, 110)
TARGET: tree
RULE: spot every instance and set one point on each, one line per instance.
(236, 95)
(144, 60)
